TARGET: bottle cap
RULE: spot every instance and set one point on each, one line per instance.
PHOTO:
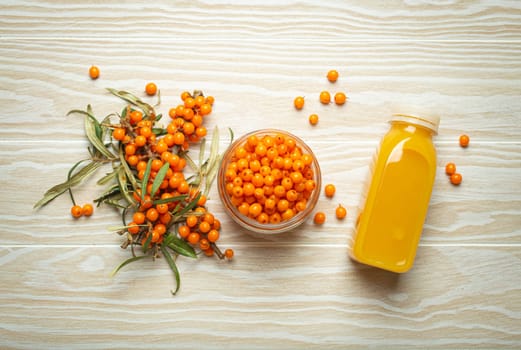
(417, 115)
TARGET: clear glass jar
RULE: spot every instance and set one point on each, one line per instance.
(250, 223)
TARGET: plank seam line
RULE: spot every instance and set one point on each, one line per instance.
(261, 39)
(270, 244)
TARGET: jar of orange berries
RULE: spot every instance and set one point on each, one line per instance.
(269, 181)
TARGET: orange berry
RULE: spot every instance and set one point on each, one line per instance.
(133, 228)
(140, 140)
(299, 102)
(179, 138)
(450, 168)
(340, 212)
(204, 244)
(193, 238)
(136, 117)
(204, 227)
(209, 252)
(332, 76)
(185, 95)
(325, 97)
(201, 131)
(330, 190)
(319, 218)
(213, 236)
(255, 209)
(151, 89)
(228, 253)
(139, 217)
(94, 72)
(76, 211)
(183, 231)
(87, 209)
(456, 179)
(464, 140)
(210, 100)
(119, 134)
(152, 214)
(205, 109)
(209, 218)
(313, 119)
(340, 98)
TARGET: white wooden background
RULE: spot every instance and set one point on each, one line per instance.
(300, 290)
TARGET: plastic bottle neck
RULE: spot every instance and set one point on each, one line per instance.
(429, 124)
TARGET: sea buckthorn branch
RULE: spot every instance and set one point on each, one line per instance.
(147, 181)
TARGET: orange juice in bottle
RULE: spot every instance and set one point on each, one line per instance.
(395, 205)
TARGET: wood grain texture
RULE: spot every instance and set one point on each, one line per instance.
(298, 290)
(268, 297)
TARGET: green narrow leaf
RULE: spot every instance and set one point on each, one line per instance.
(97, 125)
(190, 162)
(92, 135)
(158, 117)
(181, 247)
(75, 179)
(211, 175)
(202, 150)
(147, 243)
(123, 185)
(108, 177)
(159, 131)
(173, 266)
(231, 135)
(132, 99)
(112, 193)
(190, 206)
(144, 182)
(159, 178)
(124, 164)
(126, 262)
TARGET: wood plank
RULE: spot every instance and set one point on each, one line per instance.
(473, 86)
(417, 20)
(473, 212)
(270, 296)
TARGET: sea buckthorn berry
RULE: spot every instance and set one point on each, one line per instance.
(76, 211)
(340, 98)
(151, 89)
(340, 212)
(119, 134)
(191, 221)
(228, 253)
(210, 100)
(464, 140)
(140, 141)
(183, 231)
(450, 168)
(135, 117)
(456, 179)
(139, 217)
(325, 97)
(205, 109)
(204, 244)
(298, 102)
(319, 218)
(193, 238)
(94, 72)
(189, 102)
(162, 208)
(199, 101)
(255, 209)
(204, 227)
(133, 228)
(209, 252)
(152, 214)
(329, 190)
(87, 209)
(313, 119)
(332, 76)
(185, 95)
(213, 236)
